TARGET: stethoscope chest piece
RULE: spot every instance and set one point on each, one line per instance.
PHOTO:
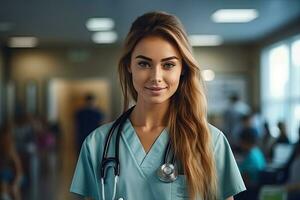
(167, 173)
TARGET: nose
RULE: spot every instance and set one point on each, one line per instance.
(156, 74)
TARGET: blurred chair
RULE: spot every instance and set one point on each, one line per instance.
(277, 171)
(282, 153)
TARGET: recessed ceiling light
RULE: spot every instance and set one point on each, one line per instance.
(22, 42)
(105, 37)
(205, 40)
(208, 75)
(100, 24)
(234, 15)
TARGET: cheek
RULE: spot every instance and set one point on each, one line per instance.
(135, 83)
(173, 80)
(138, 80)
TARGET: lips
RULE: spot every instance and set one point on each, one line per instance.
(155, 88)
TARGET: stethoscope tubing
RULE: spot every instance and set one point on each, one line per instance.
(119, 123)
(106, 160)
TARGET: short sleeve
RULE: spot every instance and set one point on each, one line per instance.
(84, 181)
(230, 181)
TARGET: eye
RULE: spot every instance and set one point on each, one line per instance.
(169, 65)
(143, 64)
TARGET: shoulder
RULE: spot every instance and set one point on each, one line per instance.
(217, 136)
(98, 135)
(230, 181)
(220, 144)
(92, 147)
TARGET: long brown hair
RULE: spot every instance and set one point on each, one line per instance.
(188, 126)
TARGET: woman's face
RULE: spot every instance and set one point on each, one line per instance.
(156, 67)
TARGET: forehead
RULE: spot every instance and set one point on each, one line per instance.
(155, 47)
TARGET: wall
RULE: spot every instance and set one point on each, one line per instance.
(230, 61)
(41, 65)
(224, 59)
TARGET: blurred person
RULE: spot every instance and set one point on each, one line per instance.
(292, 164)
(55, 128)
(254, 161)
(267, 141)
(87, 118)
(162, 147)
(10, 166)
(233, 115)
(45, 141)
(47, 158)
(293, 183)
(45, 138)
(25, 142)
(282, 139)
(23, 133)
(258, 121)
(246, 122)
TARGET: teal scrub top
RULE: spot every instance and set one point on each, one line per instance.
(138, 179)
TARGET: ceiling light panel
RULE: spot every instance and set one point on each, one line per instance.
(22, 42)
(234, 15)
(205, 40)
(100, 24)
(105, 37)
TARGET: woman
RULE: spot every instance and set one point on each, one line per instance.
(157, 70)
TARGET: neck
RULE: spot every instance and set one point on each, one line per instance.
(150, 115)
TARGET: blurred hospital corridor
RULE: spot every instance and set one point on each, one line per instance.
(59, 81)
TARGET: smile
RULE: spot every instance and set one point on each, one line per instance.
(156, 91)
(155, 88)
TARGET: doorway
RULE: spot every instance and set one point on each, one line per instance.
(65, 97)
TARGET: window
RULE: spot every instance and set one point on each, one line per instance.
(280, 89)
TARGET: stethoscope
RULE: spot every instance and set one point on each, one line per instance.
(167, 172)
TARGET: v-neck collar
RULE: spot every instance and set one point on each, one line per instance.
(155, 154)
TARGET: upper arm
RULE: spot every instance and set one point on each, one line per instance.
(230, 181)
(84, 180)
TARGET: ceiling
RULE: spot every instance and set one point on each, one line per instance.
(63, 21)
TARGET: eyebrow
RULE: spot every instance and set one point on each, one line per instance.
(162, 60)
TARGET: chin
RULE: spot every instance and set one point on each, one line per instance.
(156, 100)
